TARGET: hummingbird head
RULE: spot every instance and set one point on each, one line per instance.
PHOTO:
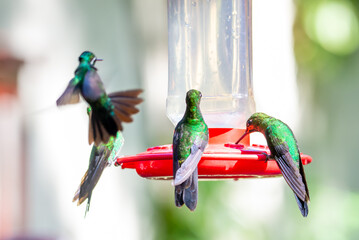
(88, 56)
(193, 97)
(256, 123)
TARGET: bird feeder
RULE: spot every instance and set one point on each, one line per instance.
(210, 50)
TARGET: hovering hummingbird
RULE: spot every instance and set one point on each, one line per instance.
(101, 157)
(108, 110)
(189, 141)
(284, 149)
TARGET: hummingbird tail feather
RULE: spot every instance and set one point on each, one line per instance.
(71, 95)
(88, 203)
(303, 206)
(191, 193)
(101, 126)
(106, 122)
(96, 168)
(98, 162)
(80, 196)
(77, 195)
(122, 115)
(179, 196)
(125, 102)
(180, 192)
(128, 96)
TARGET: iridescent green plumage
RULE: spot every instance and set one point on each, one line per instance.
(284, 149)
(101, 157)
(108, 110)
(189, 141)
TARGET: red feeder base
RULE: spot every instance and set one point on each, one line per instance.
(221, 160)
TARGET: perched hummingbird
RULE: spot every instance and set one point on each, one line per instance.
(108, 111)
(284, 149)
(101, 157)
(189, 141)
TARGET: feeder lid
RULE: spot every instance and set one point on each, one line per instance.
(219, 160)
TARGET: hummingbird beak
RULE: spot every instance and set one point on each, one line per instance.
(245, 134)
(99, 59)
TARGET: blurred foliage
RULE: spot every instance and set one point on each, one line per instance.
(326, 40)
(328, 80)
(180, 223)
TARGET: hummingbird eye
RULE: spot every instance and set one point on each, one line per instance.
(249, 122)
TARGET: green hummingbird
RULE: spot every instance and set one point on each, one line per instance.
(189, 142)
(284, 149)
(108, 110)
(101, 157)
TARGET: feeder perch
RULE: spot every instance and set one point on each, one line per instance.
(210, 49)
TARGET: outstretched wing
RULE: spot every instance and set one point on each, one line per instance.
(71, 94)
(124, 103)
(190, 164)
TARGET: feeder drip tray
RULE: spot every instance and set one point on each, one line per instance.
(221, 159)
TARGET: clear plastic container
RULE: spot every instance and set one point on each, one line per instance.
(210, 49)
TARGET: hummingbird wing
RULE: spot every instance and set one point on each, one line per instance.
(190, 164)
(100, 158)
(178, 134)
(71, 94)
(292, 171)
(82, 195)
(191, 193)
(98, 162)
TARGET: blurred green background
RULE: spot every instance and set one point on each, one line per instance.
(44, 153)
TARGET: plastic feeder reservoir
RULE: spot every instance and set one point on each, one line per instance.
(210, 49)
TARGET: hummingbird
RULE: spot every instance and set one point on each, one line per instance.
(189, 142)
(101, 157)
(108, 110)
(284, 149)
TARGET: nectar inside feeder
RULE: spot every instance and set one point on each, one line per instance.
(210, 50)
